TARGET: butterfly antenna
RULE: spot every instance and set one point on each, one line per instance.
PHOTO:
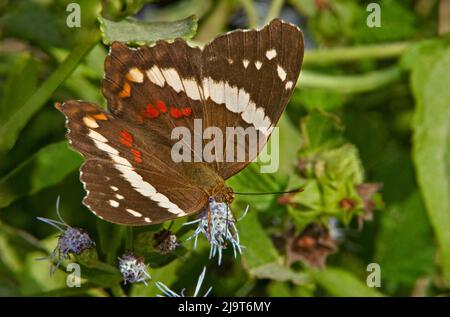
(298, 190)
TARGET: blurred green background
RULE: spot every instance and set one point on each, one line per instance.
(366, 134)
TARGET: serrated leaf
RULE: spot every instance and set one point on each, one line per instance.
(137, 32)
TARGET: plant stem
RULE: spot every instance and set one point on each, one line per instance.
(352, 83)
(274, 10)
(250, 11)
(215, 23)
(129, 238)
(350, 54)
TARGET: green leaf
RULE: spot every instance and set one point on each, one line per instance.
(404, 245)
(178, 10)
(280, 273)
(259, 249)
(111, 238)
(39, 172)
(137, 32)
(431, 143)
(10, 129)
(21, 84)
(341, 283)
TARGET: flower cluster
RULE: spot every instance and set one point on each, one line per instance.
(133, 269)
(70, 241)
(217, 224)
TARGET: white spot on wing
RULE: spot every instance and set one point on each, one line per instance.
(118, 196)
(271, 54)
(231, 98)
(258, 64)
(172, 78)
(147, 219)
(146, 189)
(134, 213)
(113, 203)
(289, 85)
(105, 147)
(90, 122)
(217, 91)
(281, 73)
(245, 62)
(155, 76)
(114, 188)
(191, 88)
(135, 75)
(97, 136)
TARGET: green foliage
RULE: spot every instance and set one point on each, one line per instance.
(429, 81)
(354, 118)
(136, 32)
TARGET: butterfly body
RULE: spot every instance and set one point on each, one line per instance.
(156, 95)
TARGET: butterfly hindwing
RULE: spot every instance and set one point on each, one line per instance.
(127, 177)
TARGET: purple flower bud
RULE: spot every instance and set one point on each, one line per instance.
(133, 269)
(71, 240)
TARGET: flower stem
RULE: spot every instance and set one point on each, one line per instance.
(350, 54)
(250, 11)
(274, 10)
(351, 83)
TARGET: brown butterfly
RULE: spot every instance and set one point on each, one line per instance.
(241, 79)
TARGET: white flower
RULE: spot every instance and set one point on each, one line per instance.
(218, 226)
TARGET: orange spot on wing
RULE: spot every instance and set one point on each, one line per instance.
(138, 159)
(126, 91)
(151, 112)
(100, 116)
(187, 111)
(161, 106)
(175, 113)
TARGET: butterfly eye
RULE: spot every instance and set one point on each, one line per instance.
(211, 199)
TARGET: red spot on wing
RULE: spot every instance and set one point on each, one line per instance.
(137, 155)
(151, 112)
(187, 111)
(175, 113)
(135, 152)
(161, 106)
(126, 138)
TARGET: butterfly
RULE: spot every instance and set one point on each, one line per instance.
(241, 79)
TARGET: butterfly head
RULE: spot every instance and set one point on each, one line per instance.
(222, 193)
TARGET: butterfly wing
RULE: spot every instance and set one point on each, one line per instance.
(241, 79)
(128, 175)
(261, 69)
